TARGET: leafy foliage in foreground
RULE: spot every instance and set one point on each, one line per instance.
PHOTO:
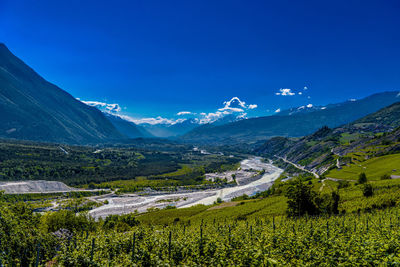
(352, 239)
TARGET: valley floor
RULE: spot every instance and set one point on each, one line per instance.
(249, 184)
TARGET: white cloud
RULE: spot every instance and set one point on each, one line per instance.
(242, 116)
(323, 108)
(211, 117)
(236, 105)
(305, 88)
(103, 105)
(233, 106)
(235, 99)
(115, 110)
(285, 92)
(229, 109)
(398, 95)
(183, 113)
(252, 106)
(310, 105)
(300, 93)
(352, 100)
(278, 110)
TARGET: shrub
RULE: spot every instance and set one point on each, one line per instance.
(66, 219)
(121, 223)
(343, 184)
(386, 177)
(368, 190)
(362, 178)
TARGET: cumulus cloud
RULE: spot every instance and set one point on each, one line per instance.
(211, 117)
(233, 106)
(103, 106)
(285, 92)
(236, 105)
(183, 113)
(305, 88)
(300, 93)
(252, 106)
(310, 105)
(115, 110)
(278, 110)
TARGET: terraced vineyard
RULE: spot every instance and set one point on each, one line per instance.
(355, 239)
(369, 239)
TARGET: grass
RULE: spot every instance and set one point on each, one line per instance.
(374, 168)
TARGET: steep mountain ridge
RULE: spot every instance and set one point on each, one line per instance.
(33, 109)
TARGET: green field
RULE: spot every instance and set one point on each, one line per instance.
(374, 168)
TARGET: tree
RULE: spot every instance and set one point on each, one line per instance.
(362, 178)
(302, 199)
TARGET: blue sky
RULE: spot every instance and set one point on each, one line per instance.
(158, 58)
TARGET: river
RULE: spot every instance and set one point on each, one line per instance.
(132, 202)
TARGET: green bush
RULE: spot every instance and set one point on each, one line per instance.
(121, 223)
(368, 190)
(362, 178)
(66, 219)
(343, 184)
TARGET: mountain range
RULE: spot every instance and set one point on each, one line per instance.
(291, 124)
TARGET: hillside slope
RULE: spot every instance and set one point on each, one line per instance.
(33, 109)
(374, 135)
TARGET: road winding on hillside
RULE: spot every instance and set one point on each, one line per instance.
(298, 166)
